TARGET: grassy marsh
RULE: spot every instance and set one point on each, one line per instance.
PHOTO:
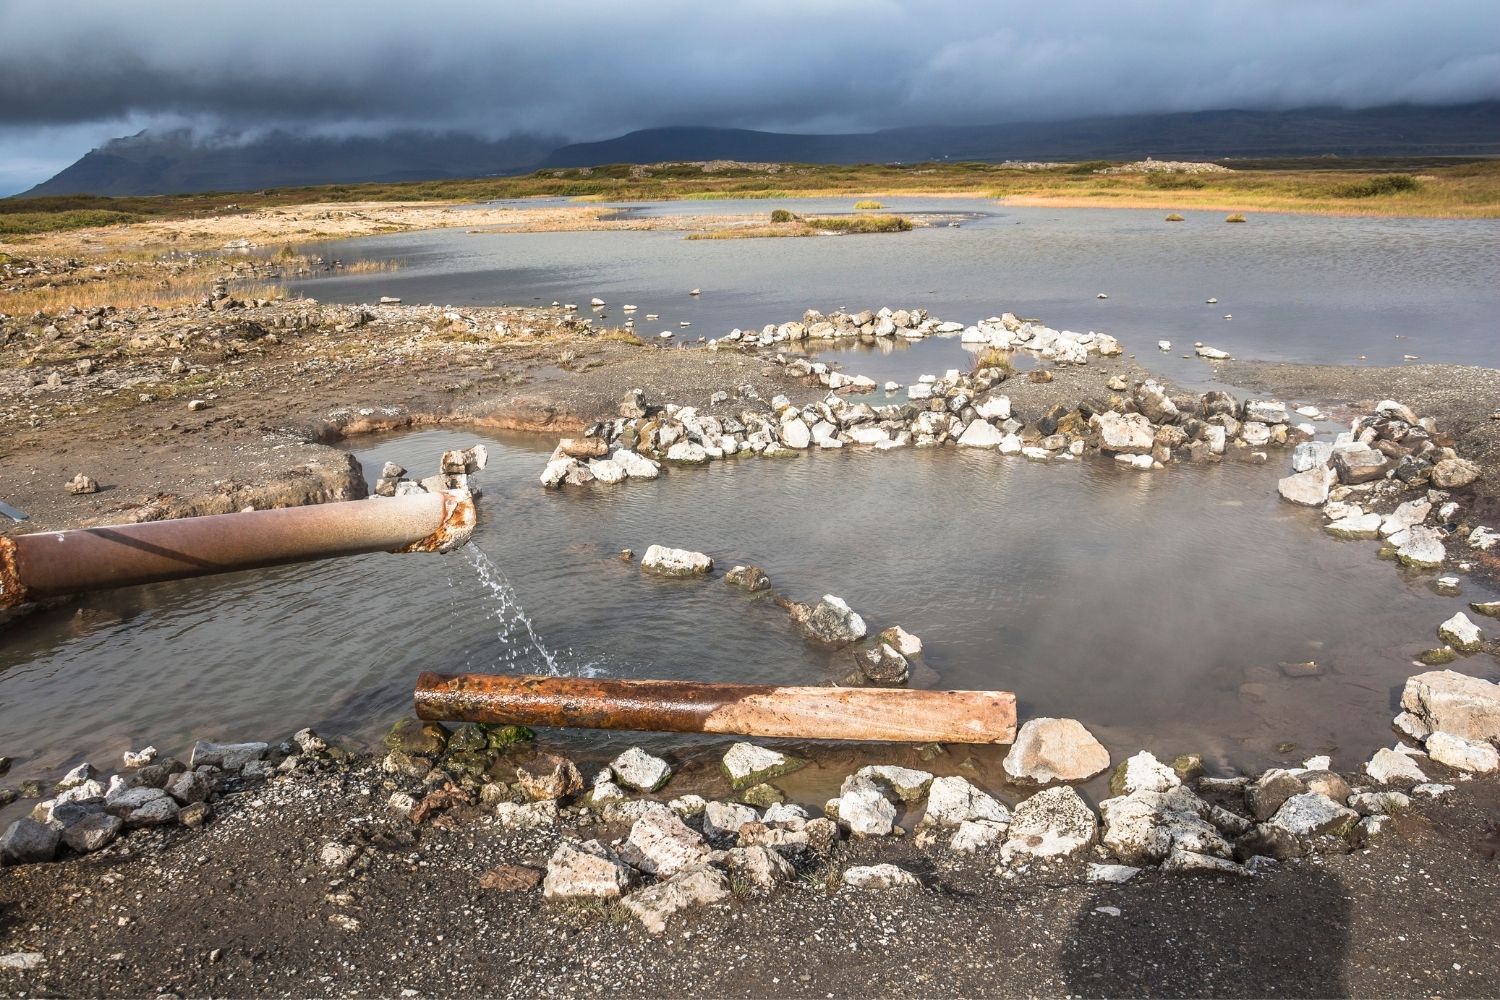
(1437, 187)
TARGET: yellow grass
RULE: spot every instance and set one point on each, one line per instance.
(123, 292)
(371, 266)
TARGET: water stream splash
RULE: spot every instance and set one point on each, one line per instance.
(521, 649)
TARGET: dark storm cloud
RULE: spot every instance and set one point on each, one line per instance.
(591, 69)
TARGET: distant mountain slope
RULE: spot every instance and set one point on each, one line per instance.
(1403, 130)
(174, 163)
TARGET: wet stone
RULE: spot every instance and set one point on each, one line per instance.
(751, 578)
(746, 764)
(227, 756)
(414, 736)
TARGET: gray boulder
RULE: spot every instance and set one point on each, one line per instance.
(28, 842)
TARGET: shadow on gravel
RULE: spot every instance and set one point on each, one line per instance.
(1285, 934)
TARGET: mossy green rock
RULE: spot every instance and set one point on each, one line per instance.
(418, 737)
(469, 739)
(1437, 657)
(468, 762)
(1188, 766)
(508, 737)
(762, 796)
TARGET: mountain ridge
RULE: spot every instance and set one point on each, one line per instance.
(175, 163)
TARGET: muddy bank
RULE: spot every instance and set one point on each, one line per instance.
(306, 879)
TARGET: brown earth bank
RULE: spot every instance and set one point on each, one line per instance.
(310, 884)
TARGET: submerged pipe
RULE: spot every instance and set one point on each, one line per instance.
(56, 563)
(823, 713)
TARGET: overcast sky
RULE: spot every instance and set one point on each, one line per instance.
(74, 74)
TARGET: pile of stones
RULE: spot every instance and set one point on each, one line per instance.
(1005, 332)
(1141, 425)
(1391, 476)
(87, 811)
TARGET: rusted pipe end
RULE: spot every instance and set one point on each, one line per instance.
(11, 591)
(456, 527)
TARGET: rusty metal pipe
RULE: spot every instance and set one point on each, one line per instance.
(823, 713)
(55, 563)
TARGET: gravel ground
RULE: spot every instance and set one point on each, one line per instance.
(246, 907)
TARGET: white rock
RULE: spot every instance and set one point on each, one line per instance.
(336, 855)
(661, 844)
(1484, 539)
(1461, 633)
(746, 764)
(952, 800)
(1191, 862)
(1389, 767)
(1456, 703)
(759, 866)
(1355, 526)
(994, 408)
(636, 466)
(1144, 773)
(687, 453)
(973, 836)
(140, 758)
(607, 471)
(556, 472)
(83, 772)
(863, 807)
(1432, 790)
(882, 876)
(1124, 433)
(639, 771)
(1309, 488)
(1409, 514)
(1054, 822)
(796, 434)
(904, 783)
(586, 870)
(1311, 814)
(1115, 874)
(22, 961)
(1421, 549)
(902, 641)
(1146, 827)
(980, 434)
(530, 816)
(699, 886)
(1470, 756)
(675, 562)
(724, 819)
